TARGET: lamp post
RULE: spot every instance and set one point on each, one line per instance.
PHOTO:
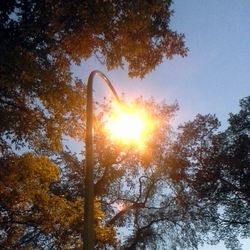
(89, 234)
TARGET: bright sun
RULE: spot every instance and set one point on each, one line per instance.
(129, 125)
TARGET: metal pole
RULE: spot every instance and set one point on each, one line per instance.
(89, 233)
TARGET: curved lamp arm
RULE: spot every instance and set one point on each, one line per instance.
(89, 234)
(107, 81)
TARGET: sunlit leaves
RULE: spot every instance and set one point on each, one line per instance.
(31, 212)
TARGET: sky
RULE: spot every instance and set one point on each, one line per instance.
(211, 79)
(216, 73)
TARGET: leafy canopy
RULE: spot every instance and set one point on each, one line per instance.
(42, 103)
(190, 187)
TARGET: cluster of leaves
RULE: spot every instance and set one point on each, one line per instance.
(189, 189)
(217, 173)
(41, 103)
(30, 215)
(185, 190)
(39, 99)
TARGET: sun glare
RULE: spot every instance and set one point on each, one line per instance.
(129, 125)
(120, 206)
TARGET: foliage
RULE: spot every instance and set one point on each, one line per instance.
(184, 191)
(32, 216)
(216, 171)
(29, 211)
(42, 103)
(187, 188)
(137, 191)
(39, 40)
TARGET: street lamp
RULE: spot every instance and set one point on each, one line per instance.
(89, 234)
(127, 125)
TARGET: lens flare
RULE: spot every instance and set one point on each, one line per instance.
(129, 125)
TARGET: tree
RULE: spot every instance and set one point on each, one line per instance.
(190, 189)
(32, 216)
(41, 39)
(41, 103)
(216, 171)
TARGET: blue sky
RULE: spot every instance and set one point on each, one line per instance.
(214, 76)
(216, 73)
